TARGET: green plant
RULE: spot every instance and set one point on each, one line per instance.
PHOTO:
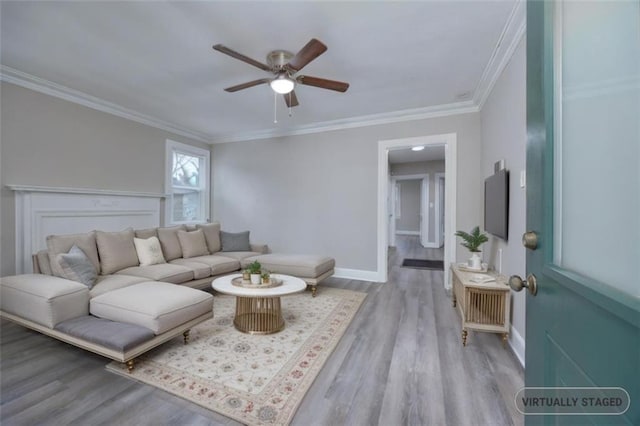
(473, 240)
(255, 267)
(265, 275)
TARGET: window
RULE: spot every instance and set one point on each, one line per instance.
(187, 183)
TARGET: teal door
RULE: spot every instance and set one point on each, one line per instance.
(583, 203)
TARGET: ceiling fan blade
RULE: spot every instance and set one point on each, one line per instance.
(240, 56)
(247, 85)
(323, 83)
(308, 53)
(291, 99)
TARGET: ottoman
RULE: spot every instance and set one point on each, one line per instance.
(154, 305)
(310, 268)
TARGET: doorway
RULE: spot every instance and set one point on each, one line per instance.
(409, 207)
(448, 142)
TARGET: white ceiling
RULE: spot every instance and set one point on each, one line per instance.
(154, 61)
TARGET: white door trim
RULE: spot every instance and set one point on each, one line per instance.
(438, 207)
(450, 142)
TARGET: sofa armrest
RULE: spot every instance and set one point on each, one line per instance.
(260, 248)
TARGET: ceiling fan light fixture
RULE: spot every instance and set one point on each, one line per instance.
(417, 148)
(282, 84)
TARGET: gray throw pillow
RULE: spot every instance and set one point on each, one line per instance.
(235, 241)
(76, 266)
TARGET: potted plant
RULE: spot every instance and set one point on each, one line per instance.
(254, 271)
(246, 275)
(473, 241)
(266, 277)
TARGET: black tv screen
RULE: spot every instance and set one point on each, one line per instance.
(496, 204)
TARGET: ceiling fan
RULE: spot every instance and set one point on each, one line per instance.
(284, 66)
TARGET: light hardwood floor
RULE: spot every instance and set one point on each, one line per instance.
(401, 362)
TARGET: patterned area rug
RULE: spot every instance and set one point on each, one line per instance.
(257, 380)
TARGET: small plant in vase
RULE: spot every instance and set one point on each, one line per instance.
(266, 277)
(255, 270)
(246, 275)
(473, 241)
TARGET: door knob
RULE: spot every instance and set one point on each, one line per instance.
(516, 283)
(530, 240)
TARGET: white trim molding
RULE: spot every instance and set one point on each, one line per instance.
(356, 274)
(512, 33)
(92, 191)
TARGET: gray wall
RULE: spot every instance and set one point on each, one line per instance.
(504, 135)
(48, 141)
(423, 167)
(409, 205)
(318, 193)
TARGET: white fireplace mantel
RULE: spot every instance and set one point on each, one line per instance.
(42, 211)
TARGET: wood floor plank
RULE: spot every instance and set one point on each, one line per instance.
(400, 362)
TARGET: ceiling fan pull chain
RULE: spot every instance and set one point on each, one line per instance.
(275, 108)
(290, 103)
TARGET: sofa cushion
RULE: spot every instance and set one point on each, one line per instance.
(106, 283)
(238, 255)
(166, 272)
(217, 264)
(192, 243)
(165, 306)
(116, 250)
(43, 299)
(77, 266)
(44, 266)
(299, 265)
(57, 244)
(199, 269)
(146, 233)
(235, 241)
(169, 241)
(212, 235)
(149, 251)
(110, 334)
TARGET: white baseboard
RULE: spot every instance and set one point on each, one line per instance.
(357, 274)
(407, 232)
(517, 345)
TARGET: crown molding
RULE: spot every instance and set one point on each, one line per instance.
(508, 41)
(83, 191)
(354, 122)
(20, 78)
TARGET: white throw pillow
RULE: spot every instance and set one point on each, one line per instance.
(149, 251)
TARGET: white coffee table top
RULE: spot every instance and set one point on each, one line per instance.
(290, 285)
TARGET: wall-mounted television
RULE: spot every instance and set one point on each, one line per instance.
(496, 204)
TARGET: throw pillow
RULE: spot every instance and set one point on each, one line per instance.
(76, 266)
(235, 241)
(212, 235)
(169, 242)
(193, 243)
(57, 244)
(116, 250)
(149, 251)
(146, 233)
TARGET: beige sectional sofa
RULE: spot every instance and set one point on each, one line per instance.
(115, 293)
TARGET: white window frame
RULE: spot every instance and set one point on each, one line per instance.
(205, 181)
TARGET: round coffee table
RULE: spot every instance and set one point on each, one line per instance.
(258, 309)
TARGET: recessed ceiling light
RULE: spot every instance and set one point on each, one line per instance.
(417, 148)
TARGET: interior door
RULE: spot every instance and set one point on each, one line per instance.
(583, 197)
